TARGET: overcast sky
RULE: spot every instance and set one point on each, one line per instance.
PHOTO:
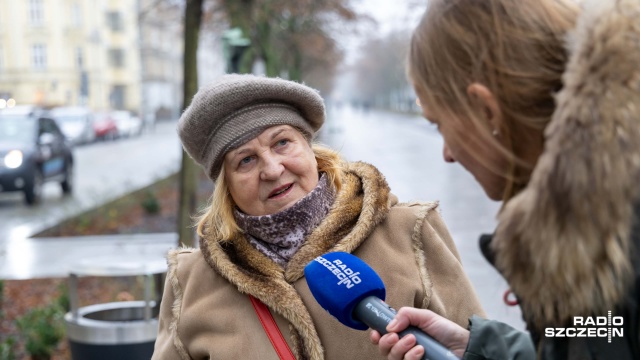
(390, 15)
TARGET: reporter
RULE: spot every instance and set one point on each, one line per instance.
(540, 101)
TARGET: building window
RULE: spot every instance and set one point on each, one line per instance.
(76, 16)
(36, 12)
(39, 56)
(114, 21)
(79, 58)
(116, 58)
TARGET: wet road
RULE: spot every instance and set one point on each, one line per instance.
(405, 148)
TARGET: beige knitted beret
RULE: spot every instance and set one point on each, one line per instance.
(236, 108)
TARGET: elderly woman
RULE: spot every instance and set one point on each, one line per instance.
(280, 201)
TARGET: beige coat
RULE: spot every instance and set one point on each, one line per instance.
(206, 314)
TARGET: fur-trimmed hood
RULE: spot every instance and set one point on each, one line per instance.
(564, 242)
(362, 203)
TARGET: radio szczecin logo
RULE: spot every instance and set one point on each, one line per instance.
(590, 326)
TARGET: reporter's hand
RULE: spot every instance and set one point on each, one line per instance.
(446, 332)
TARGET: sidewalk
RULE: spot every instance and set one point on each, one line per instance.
(55, 257)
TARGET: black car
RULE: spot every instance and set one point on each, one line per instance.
(33, 151)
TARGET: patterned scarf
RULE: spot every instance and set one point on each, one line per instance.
(280, 235)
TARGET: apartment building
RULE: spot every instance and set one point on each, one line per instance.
(71, 52)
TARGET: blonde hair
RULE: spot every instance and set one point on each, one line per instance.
(515, 48)
(216, 221)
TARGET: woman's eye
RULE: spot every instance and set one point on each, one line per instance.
(282, 142)
(245, 160)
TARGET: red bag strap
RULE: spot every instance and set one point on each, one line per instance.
(272, 330)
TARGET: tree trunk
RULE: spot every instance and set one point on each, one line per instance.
(188, 168)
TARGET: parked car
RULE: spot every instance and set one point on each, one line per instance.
(105, 126)
(33, 151)
(76, 123)
(128, 125)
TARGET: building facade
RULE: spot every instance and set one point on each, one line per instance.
(71, 52)
(103, 54)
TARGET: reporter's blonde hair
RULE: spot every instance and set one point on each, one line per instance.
(217, 222)
(515, 48)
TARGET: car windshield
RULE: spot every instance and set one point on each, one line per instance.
(17, 129)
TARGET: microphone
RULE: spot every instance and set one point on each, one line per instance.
(352, 292)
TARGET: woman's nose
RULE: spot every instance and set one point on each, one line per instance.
(446, 154)
(271, 168)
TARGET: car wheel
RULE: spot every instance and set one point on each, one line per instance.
(33, 191)
(67, 183)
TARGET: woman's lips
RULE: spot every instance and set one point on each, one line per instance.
(281, 191)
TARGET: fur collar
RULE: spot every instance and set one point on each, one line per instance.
(563, 243)
(362, 203)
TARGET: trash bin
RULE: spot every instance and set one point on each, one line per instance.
(124, 330)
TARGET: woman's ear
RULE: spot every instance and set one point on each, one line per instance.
(485, 99)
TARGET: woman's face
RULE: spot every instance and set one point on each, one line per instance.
(464, 144)
(271, 172)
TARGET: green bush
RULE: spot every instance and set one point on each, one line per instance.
(42, 330)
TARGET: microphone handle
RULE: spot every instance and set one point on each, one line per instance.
(376, 314)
